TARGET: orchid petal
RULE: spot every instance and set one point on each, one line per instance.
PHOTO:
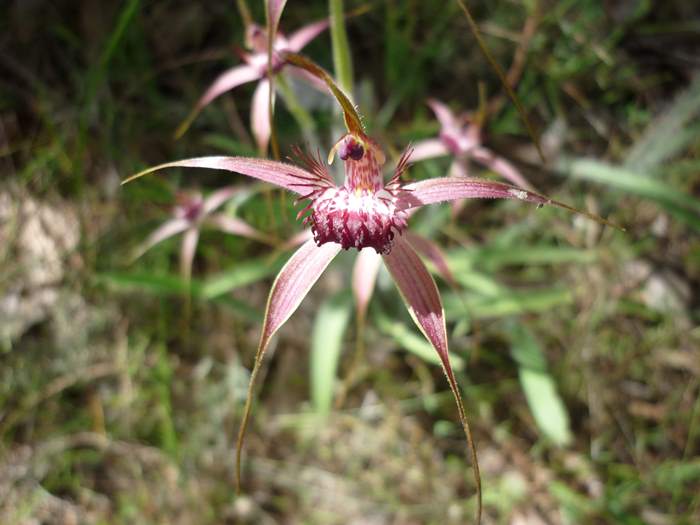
(428, 149)
(288, 176)
(218, 198)
(444, 114)
(453, 188)
(292, 284)
(419, 292)
(301, 37)
(433, 253)
(500, 166)
(228, 80)
(260, 115)
(445, 189)
(235, 226)
(364, 278)
(189, 246)
(274, 13)
(164, 231)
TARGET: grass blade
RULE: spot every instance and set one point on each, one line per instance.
(326, 345)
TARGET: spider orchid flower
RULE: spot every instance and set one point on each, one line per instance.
(364, 213)
(192, 213)
(259, 61)
(460, 137)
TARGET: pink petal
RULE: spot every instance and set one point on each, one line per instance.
(189, 246)
(274, 12)
(300, 38)
(235, 226)
(444, 114)
(217, 198)
(228, 80)
(428, 149)
(260, 115)
(500, 166)
(422, 298)
(164, 231)
(364, 277)
(288, 176)
(453, 188)
(433, 253)
(292, 284)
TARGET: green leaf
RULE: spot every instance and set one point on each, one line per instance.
(326, 343)
(546, 406)
(166, 284)
(157, 284)
(412, 341)
(508, 302)
(669, 133)
(242, 274)
(683, 206)
(492, 258)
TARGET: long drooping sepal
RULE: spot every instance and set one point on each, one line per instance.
(292, 284)
(433, 253)
(446, 189)
(228, 80)
(288, 176)
(422, 299)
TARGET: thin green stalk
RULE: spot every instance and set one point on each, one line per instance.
(502, 76)
(245, 13)
(342, 59)
(302, 117)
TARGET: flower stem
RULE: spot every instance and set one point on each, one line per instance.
(302, 117)
(342, 60)
(245, 13)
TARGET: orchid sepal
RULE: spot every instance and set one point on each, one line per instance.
(422, 298)
(291, 285)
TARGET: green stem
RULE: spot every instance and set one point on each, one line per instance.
(302, 117)
(342, 60)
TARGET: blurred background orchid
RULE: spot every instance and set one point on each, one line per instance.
(259, 62)
(194, 212)
(461, 138)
